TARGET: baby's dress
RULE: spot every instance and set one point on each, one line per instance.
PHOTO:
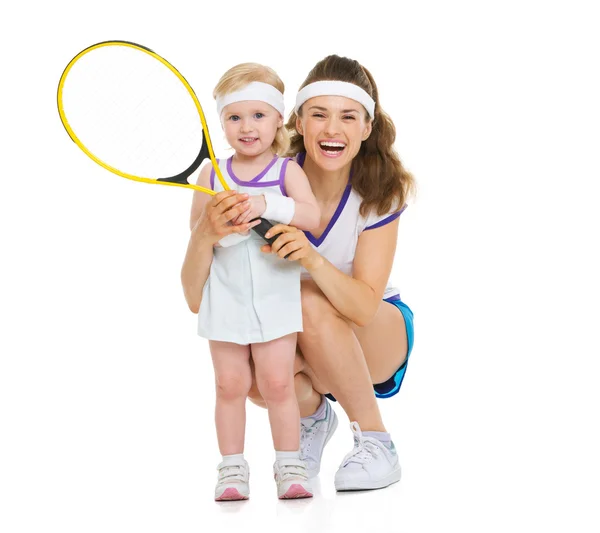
(251, 296)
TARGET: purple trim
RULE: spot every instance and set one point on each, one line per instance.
(282, 175)
(300, 158)
(212, 177)
(336, 215)
(393, 298)
(387, 220)
(253, 181)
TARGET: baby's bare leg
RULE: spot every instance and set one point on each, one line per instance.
(274, 368)
(233, 379)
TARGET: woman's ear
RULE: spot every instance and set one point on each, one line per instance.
(299, 126)
(368, 130)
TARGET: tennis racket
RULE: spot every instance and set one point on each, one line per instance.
(135, 115)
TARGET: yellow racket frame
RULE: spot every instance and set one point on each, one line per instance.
(114, 170)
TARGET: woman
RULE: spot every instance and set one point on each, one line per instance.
(353, 333)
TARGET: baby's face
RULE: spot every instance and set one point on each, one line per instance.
(250, 127)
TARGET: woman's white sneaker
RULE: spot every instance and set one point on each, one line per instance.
(314, 435)
(370, 465)
(292, 479)
(232, 483)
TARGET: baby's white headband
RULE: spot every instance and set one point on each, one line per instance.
(336, 88)
(256, 90)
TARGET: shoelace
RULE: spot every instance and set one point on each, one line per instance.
(231, 473)
(292, 469)
(365, 448)
(307, 432)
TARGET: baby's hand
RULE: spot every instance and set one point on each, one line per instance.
(257, 208)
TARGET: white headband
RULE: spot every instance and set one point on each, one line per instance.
(336, 88)
(256, 90)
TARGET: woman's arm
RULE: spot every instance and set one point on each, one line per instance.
(356, 297)
(209, 222)
(195, 268)
(200, 199)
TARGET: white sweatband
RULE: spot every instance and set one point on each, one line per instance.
(279, 208)
(336, 88)
(233, 239)
(256, 90)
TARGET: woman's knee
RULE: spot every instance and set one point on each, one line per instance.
(303, 386)
(316, 308)
(275, 388)
(254, 394)
(302, 383)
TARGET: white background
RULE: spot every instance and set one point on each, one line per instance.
(106, 392)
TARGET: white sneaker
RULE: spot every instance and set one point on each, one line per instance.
(370, 465)
(314, 435)
(292, 479)
(232, 484)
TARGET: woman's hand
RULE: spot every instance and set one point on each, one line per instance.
(215, 219)
(257, 206)
(294, 242)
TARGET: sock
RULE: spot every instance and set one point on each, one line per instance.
(320, 412)
(379, 435)
(287, 455)
(235, 457)
(382, 437)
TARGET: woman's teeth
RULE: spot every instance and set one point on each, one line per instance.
(332, 148)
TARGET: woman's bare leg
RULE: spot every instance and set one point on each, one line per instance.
(309, 398)
(335, 356)
(382, 342)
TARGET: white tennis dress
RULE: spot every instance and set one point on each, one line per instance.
(250, 296)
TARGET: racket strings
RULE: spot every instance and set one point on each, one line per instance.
(132, 112)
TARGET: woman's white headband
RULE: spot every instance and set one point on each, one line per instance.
(256, 90)
(336, 88)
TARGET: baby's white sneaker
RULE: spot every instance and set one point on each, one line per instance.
(292, 479)
(234, 474)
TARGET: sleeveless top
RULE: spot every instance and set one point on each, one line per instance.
(338, 241)
(250, 296)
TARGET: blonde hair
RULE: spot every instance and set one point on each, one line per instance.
(238, 77)
(378, 174)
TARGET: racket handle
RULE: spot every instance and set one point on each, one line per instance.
(262, 228)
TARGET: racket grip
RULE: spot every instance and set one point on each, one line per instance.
(262, 228)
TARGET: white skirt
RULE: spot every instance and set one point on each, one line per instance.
(250, 296)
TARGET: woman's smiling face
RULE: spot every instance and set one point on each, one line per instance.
(333, 128)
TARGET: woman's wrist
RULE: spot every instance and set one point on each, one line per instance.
(313, 261)
(202, 239)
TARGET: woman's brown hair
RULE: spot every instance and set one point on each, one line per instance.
(378, 175)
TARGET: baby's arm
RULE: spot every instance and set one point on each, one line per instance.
(299, 208)
(307, 215)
